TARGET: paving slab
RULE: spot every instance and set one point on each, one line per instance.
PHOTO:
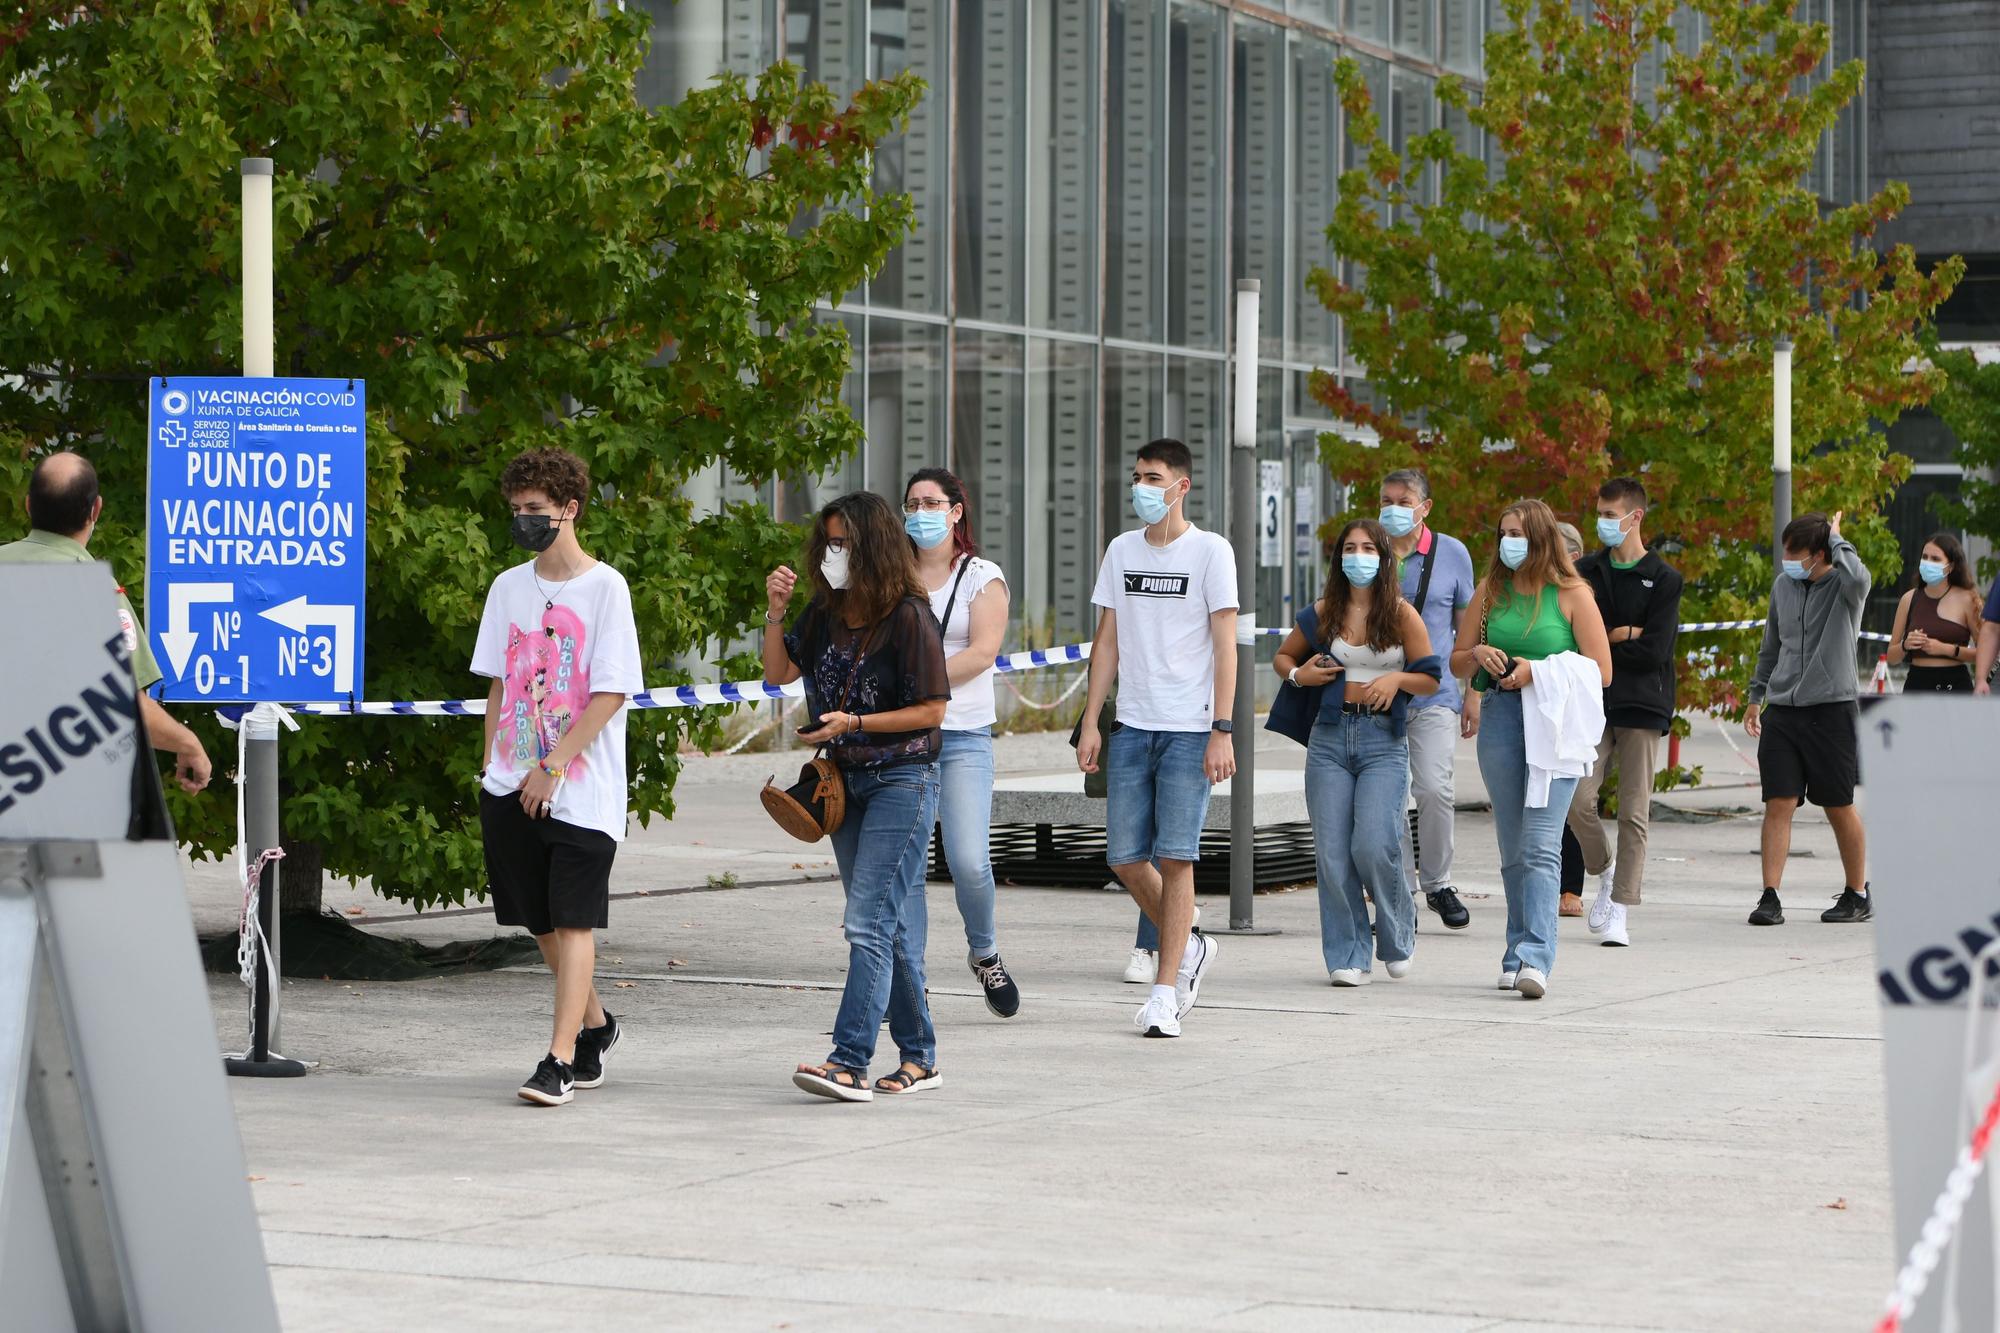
(1685, 1135)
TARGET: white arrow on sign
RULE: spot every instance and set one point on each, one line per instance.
(178, 638)
(298, 613)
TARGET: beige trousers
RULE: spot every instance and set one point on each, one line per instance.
(1633, 749)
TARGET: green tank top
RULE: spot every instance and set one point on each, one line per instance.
(1507, 626)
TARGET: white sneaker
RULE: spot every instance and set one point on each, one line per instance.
(1195, 962)
(1141, 968)
(1600, 906)
(1156, 1018)
(1348, 976)
(1398, 969)
(1507, 980)
(1531, 983)
(1614, 932)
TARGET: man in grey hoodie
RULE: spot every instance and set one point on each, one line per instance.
(1803, 708)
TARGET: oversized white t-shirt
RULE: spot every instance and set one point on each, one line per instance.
(1163, 597)
(550, 659)
(971, 703)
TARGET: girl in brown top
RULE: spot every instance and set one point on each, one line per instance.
(1936, 621)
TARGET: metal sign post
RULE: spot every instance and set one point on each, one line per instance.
(1245, 536)
(123, 1203)
(256, 569)
(1781, 446)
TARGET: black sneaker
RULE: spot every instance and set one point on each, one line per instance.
(552, 1085)
(1449, 909)
(1769, 911)
(1003, 997)
(1849, 906)
(592, 1045)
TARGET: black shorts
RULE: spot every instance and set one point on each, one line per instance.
(1938, 680)
(544, 874)
(1810, 751)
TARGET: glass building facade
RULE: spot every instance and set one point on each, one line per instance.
(1090, 178)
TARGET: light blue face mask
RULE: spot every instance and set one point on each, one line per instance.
(1398, 520)
(1930, 571)
(928, 527)
(1795, 569)
(1360, 567)
(1149, 502)
(1611, 531)
(1513, 550)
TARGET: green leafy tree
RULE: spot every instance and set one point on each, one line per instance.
(1969, 403)
(1605, 298)
(475, 213)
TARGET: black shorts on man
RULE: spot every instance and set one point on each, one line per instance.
(544, 874)
(1810, 752)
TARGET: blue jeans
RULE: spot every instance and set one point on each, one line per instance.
(965, 808)
(1530, 840)
(1156, 795)
(1357, 783)
(881, 847)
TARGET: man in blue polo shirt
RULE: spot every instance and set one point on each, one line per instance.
(1438, 581)
(1989, 642)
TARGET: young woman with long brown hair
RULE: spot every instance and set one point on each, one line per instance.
(1371, 648)
(1538, 623)
(868, 649)
(1937, 621)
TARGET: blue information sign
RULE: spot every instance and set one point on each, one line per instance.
(256, 538)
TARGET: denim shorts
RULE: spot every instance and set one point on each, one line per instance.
(1156, 795)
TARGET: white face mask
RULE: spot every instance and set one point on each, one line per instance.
(833, 568)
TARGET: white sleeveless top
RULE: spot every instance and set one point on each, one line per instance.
(972, 704)
(1364, 663)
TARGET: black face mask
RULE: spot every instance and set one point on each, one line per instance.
(534, 532)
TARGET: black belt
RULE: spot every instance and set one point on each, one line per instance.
(1353, 709)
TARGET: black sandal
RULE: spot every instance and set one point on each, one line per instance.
(903, 1081)
(837, 1082)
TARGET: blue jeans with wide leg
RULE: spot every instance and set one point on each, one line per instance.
(1530, 838)
(965, 811)
(881, 846)
(1357, 783)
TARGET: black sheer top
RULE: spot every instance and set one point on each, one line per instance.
(902, 664)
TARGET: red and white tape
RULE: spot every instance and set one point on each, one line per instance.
(1944, 1218)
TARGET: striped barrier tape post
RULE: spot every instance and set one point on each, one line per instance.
(1944, 1218)
(727, 692)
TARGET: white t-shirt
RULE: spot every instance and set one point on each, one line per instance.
(1163, 597)
(550, 660)
(971, 703)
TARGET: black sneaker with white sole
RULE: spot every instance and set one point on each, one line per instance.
(1449, 909)
(1849, 906)
(553, 1083)
(592, 1046)
(1003, 997)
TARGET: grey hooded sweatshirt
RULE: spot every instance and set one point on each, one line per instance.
(1807, 656)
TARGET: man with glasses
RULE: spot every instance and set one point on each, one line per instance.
(1438, 581)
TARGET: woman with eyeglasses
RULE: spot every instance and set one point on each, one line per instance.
(868, 651)
(969, 599)
(1539, 629)
(1937, 622)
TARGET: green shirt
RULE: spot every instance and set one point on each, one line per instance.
(1531, 628)
(49, 548)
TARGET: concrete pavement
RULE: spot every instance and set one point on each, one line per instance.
(1684, 1135)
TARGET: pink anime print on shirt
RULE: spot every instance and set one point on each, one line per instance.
(546, 687)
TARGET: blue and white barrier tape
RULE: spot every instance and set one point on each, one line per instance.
(725, 693)
(674, 696)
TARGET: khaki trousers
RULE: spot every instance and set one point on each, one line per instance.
(1633, 749)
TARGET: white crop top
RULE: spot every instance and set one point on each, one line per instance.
(1364, 663)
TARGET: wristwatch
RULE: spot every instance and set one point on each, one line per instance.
(1223, 725)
